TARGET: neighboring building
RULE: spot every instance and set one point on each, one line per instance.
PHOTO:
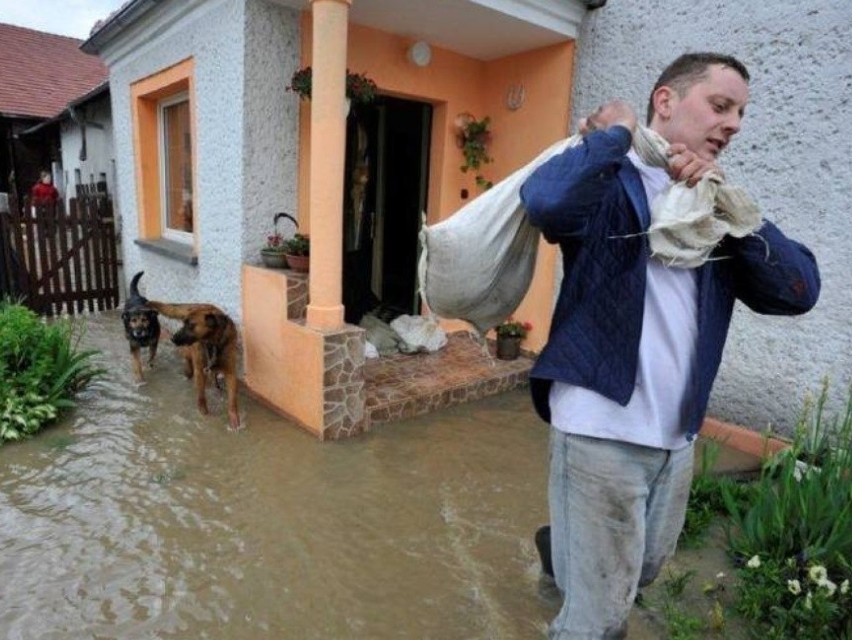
(40, 73)
(792, 155)
(88, 156)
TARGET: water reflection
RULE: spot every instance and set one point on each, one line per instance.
(138, 518)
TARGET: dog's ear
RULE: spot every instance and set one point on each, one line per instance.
(215, 320)
(125, 316)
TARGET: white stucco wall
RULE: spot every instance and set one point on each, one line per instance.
(246, 136)
(270, 122)
(792, 155)
(99, 147)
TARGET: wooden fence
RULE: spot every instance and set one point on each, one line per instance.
(59, 262)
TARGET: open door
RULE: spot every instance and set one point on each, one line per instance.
(385, 190)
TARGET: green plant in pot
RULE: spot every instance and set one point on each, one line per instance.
(509, 336)
(273, 252)
(359, 88)
(298, 251)
(474, 137)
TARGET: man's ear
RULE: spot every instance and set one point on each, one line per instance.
(664, 100)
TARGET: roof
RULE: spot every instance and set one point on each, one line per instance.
(40, 73)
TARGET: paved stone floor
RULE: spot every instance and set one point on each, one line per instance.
(402, 386)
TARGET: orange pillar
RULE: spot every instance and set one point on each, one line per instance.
(328, 151)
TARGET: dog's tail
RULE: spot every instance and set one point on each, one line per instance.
(177, 311)
(134, 291)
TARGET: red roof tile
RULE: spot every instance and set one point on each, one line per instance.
(40, 73)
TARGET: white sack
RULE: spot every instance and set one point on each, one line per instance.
(420, 331)
(478, 264)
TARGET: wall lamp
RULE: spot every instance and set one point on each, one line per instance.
(419, 53)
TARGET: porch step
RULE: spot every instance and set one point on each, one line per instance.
(404, 386)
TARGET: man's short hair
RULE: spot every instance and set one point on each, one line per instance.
(689, 69)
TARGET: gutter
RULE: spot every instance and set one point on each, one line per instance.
(117, 22)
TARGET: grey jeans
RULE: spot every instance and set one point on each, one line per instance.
(616, 510)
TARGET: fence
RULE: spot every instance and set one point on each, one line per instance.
(59, 262)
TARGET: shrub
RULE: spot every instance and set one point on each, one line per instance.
(41, 368)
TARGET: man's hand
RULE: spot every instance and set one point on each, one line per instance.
(687, 166)
(615, 112)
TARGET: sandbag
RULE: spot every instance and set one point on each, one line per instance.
(477, 264)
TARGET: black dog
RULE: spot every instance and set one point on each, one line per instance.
(141, 326)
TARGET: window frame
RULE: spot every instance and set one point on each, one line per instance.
(184, 237)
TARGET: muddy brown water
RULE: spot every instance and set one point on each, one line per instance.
(137, 518)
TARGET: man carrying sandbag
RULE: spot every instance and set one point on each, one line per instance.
(639, 328)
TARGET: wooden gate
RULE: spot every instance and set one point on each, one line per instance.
(57, 262)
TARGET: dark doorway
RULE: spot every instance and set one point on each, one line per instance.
(385, 188)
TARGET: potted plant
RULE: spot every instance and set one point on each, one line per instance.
(359, 88)
(298, 251)
(473, 138)
(273, 253)
(509, 336)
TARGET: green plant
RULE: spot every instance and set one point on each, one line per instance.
(359, 88)
(473, 137)
(706, 502)
(800, 517)
(298, 245)
(41, 368)
(794, 599)
(513, 329)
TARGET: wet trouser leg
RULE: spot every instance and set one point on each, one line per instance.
(616, 511)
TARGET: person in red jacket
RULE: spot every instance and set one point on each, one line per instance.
(43, 191)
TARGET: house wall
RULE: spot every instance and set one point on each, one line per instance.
(100, 156)
(791, 155)
(211, 33)
(455, 84)
(270, 152)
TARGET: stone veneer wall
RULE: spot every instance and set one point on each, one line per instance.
(344, 390)
(297, 295)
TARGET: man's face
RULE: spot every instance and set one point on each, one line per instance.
(707, 116)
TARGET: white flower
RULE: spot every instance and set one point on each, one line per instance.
(808, 604)
(818, 574)
(754, 562)
(794, 587)
(721, 575)
(844, 587)
(829, 586)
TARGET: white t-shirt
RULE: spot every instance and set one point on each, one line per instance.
(655, 416)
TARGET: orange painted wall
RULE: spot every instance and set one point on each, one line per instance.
(453, 84)
(145, 95)
(283, 360)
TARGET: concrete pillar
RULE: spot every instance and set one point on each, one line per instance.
(328, 153)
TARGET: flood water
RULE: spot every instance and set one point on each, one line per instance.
(138, 518)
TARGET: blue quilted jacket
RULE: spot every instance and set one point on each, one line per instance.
(590, 200)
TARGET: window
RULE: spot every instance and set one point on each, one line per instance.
(163, 113)
(176, 168)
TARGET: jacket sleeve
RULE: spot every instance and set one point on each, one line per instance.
(561, 194)
(773, 274)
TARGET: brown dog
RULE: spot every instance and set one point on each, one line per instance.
(208, 342)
